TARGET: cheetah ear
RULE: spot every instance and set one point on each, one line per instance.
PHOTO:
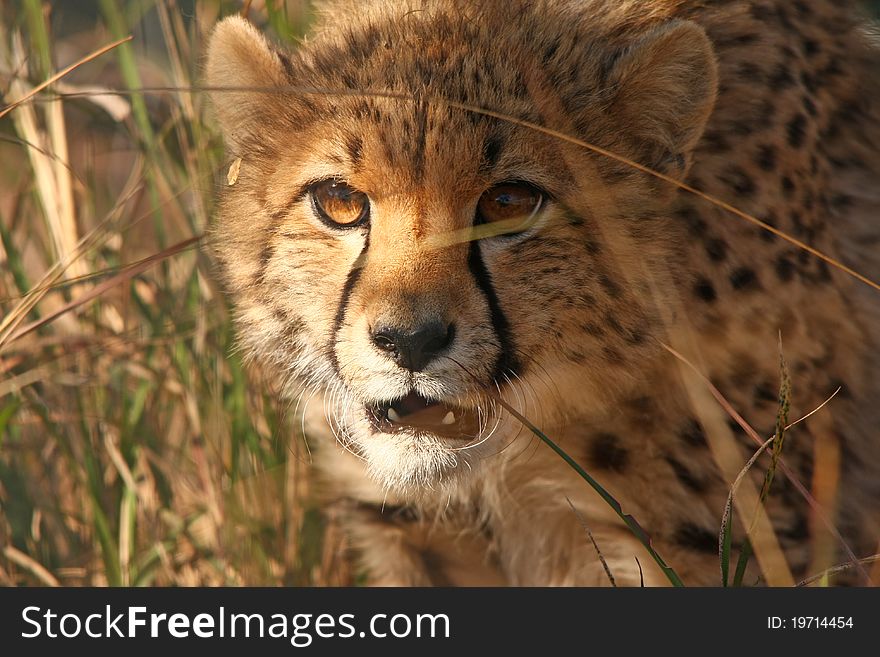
(666, 85)
(239, 57)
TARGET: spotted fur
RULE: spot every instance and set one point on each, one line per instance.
(770, 106)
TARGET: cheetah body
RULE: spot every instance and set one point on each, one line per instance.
(769, 106)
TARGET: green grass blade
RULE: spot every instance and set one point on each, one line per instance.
(742, 562)
(724, 542)
(128, 67)
(38, 35)
(6, 414)
(14, 262)
(629, 520)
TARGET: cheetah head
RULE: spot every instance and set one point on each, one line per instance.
(405, 260)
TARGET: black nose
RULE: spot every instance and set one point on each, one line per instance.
(413, 349)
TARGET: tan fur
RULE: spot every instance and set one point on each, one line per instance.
(771, 106)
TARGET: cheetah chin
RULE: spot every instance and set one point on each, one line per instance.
(415, 442)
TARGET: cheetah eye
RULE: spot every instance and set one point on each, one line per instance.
(339, 204)
(512, 206)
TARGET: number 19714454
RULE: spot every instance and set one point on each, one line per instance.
(809, 622)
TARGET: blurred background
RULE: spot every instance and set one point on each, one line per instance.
(135, 447)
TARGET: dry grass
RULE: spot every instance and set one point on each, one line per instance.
(134, 447)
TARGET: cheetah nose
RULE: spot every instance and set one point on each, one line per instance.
(413, 349)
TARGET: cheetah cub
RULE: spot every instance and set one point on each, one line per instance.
(418, 233)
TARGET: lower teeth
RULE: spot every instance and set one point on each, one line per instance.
(395, 417)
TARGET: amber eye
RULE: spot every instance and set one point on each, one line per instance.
(339, 204)
(514, 204)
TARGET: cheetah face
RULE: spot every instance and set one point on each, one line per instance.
(417, 341)
(409, 261)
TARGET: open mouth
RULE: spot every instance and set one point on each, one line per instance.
(418, 414)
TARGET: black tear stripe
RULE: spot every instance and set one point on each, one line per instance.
(351, 280)
(507, 360)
